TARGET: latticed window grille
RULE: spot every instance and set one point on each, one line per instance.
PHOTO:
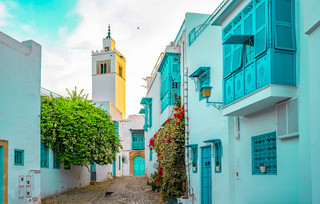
(217, 155)
(56, 163)
(264, 151)
(44, 162)
(18, 157)
(195, 157)
(203, 79)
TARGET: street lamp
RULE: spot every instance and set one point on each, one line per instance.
(206, 93)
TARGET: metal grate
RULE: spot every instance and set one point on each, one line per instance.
(18, 157)
(264, 151)
(217, 155)
(195, 157)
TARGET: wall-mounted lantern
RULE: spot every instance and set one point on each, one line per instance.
(206, 93)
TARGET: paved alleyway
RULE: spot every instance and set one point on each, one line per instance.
(127, 189)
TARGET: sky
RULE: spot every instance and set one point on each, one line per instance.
(68, 30)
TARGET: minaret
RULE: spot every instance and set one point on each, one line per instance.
(109, 75)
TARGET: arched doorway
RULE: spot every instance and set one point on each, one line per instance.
(138, 165)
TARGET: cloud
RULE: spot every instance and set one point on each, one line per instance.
(3, 14)
(69, 64)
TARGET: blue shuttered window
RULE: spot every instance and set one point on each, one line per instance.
(18, 157)
(44, 161)
(264, 152)
(56, 163)
(119, 162)
(137, 140)
(195, 159)
(217, 156)
(170, 79)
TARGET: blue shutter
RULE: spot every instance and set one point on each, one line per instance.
(260, 38)
(283, 17)
(119, 162)
(44, 162)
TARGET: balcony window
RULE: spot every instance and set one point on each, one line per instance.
(147, 111)
(137, 140)
(259, 51)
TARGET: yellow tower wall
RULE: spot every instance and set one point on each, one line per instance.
(120, 85)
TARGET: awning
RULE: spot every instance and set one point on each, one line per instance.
(190, 145)
(145, 100)
(199, 71)
(212, 140)
(237, 39)
(140, 130)
(142, 111)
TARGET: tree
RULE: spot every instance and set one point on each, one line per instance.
(77, 131)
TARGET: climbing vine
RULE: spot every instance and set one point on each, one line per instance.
(168, 143)
(79, 132)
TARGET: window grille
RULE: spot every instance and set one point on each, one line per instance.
(195, 158)
(203, 79)
(264, 151)
(217, 155)
(18, 157)
(56, 163)
(44, 162)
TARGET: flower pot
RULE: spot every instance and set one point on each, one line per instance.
(194, 168)
(263, 169)
(218, 168)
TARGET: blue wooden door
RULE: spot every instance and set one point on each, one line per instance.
(138, 165)
(1, 174)
(93, 172)
(206, 179)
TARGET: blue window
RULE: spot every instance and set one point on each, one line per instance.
(119, 163)
(264, 152)
(195, 159)
(150, 153)
(201, 77)
(116, 124)
(18, 157)
(44, 160)
(137, 140)
(170, 79)
(204, 78)
(147, 111)
(217, 156)
(67, 165)
(56, 163)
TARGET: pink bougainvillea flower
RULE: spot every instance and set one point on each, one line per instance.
(150, 148)
(177, 122)
(168, 121)
(175, 109)
(162, 140)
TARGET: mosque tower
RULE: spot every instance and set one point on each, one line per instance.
(109, 75)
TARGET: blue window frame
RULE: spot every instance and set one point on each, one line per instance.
(18, 157)
(56, 163)
(217, 156)
(67, 165)
(119, 162)
(44, 160)
(150, 153)
(195, 158)
(137, 140)
(264, 151)
(204, 78)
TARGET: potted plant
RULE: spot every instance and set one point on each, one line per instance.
(194, 166)
(154, 176)
(217, 166)
(262, 168)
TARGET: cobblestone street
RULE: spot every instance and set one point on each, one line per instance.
(127, 189)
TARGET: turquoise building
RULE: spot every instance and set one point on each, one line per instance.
(249, 86)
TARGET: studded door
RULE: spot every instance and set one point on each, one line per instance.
(138, 165)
